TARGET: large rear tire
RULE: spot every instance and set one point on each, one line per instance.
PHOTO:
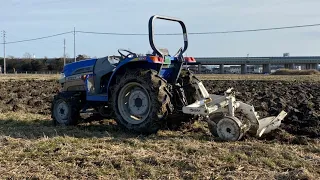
(187, 81)
(141, 101)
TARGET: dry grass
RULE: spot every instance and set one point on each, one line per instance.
(259, 77)
(32, 147)
(296, 72)
(4, 77)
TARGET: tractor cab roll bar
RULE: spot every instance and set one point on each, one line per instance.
(151, 33)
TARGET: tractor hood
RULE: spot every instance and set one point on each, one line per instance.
(79, 67)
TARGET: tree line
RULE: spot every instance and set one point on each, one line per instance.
(36, 65)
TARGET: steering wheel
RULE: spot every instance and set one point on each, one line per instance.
(129, 54)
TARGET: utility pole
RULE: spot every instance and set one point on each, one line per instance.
(4, 52)
(74, 43)
(64, 52)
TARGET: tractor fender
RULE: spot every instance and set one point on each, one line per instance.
(130, 64)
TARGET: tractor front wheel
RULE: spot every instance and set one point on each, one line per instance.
(64, 109)
(140, 101)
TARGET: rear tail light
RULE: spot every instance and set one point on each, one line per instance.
(156, 59)
(189, 59)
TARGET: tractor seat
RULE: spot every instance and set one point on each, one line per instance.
(164, 52)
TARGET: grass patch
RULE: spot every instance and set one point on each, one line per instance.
(296, 72)
(32, 147)
(253, 77)
(5, 77)
(260, 77)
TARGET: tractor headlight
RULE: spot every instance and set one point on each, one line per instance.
(62, 78)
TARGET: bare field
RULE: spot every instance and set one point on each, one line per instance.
(31, 147)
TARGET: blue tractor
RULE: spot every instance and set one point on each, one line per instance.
(143, 93)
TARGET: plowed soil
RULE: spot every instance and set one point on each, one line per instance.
(300, 99)
(32, 96)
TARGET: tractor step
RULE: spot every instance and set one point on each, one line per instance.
(98, 97)
(105, 94)
(89, 111)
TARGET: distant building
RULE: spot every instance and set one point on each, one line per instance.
(215, 70)
(234, 69)
(298, 68)
(254, 69)
(204, 69)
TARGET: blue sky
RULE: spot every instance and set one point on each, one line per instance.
(23, 19)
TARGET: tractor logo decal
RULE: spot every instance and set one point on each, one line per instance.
(195, 110)
(83, 70)
(73, 77)
(139, 59)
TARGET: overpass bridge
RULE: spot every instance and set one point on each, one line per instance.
(309, 62)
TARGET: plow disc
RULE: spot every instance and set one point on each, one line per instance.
(230, 128)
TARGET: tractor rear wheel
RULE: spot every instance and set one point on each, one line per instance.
(187, 81)
(65, 109)
(141, 101)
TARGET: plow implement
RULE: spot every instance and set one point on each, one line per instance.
(237, 118)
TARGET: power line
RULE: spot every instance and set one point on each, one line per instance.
(262, 29)
(203, 33)
(12, 42)
(144, 34)
(112, 33)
